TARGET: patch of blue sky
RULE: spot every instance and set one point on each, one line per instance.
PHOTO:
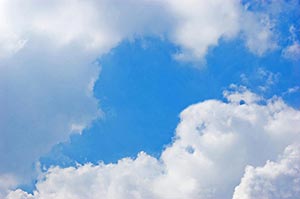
(142, 90)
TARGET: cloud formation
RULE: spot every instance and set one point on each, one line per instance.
(276, 180)
(201, 24)
(100, 25)
(47, 71)
(292, 51)
(43, 96)
(215, 142)
(47, 54)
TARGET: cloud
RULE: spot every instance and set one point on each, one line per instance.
(276, 180)
(93, 25)
(292, 51)
(201, 25)
(215, 141)
(292, 90)
(261, 78)
(47, 71)
(43, 95)
(47, 60)
(100, 25)
(258, 36)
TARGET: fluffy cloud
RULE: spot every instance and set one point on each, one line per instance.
(276, 180)
(47, 71)
(214, 143)
(100, 25)
(43, 95)
(93, 25)
(47, 54)
(201, 24)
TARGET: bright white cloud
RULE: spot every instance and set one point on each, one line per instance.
(93, 25)
(100, 25)
(201, 24)
(47, 53)
(214, 143)
(276, 180)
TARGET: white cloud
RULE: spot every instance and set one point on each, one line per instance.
(201, 24)
(293, 50)
(236, 94)
(42, 96)
(93, 25)
(100, 25)
(10, 40)
(47, 71)
(258, 36)
(7, 181)
(276, 180)
(47, 53)
(261, 78)
(293, 90)
(214, 143)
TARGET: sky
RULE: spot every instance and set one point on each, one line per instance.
(149, 99)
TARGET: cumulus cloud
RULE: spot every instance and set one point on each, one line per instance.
(193, 25)
(47, 71)
(42, 95)
(47, 53)
(214, 143)
(93, 25)
(201, 24)
(276, 180)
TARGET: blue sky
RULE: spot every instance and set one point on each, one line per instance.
(137, 98)
(142, 91)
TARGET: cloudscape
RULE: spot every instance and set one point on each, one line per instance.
(152, 99)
